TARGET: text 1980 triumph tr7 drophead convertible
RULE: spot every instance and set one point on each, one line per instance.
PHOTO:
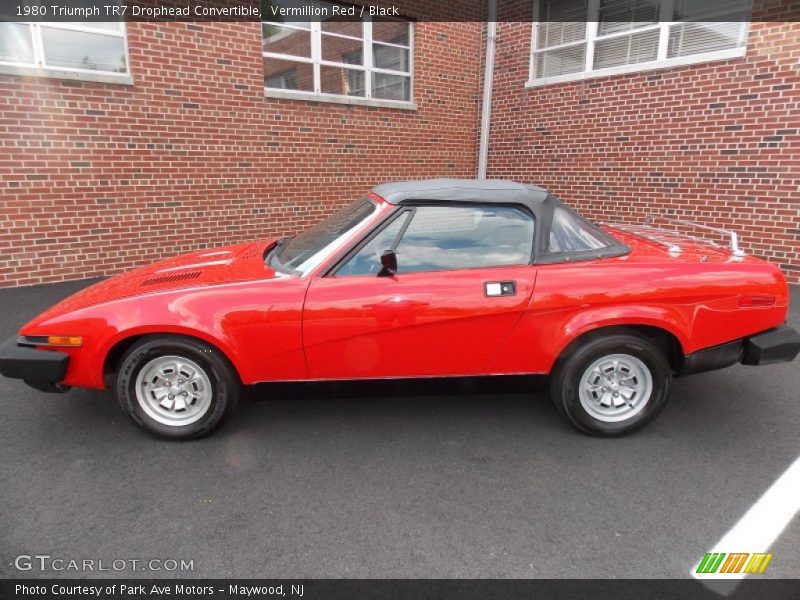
(421, 279)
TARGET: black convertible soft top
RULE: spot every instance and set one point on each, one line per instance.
(464, 190)
(541, 203)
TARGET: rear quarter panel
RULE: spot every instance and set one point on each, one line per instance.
(699, 303)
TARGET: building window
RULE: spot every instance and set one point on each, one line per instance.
(93, 51)
(576, 39)
(367, 61)
(286, 80)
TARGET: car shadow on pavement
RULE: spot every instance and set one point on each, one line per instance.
(295, 405)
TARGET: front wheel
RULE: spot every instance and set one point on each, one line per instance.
(612, 385)
(176, 387)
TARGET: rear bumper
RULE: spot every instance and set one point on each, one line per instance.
(778, 345)
(41, 369)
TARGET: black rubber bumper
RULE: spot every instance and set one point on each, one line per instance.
(711, 359)
(41, 369)
(778, 345)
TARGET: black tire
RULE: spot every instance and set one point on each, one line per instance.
(225, 386)
(566, 378)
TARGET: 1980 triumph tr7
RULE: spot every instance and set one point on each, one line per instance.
(441, 278)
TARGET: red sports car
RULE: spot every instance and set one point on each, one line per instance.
(441, 278)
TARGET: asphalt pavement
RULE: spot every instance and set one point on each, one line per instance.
(475, 482)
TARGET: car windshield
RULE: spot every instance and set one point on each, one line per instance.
(306, 250)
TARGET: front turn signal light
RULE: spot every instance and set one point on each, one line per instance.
(64, 340)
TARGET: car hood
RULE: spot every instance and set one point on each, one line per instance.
(243, 262)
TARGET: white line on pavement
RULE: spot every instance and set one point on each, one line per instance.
(758, 529)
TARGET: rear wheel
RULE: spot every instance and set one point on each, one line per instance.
(612, 385)
(176, 387)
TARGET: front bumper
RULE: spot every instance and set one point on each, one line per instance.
(41, 369)
(778, 345)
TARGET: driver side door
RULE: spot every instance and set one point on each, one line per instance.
(464, 280)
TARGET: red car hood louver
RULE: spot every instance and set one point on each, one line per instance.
(170, 278)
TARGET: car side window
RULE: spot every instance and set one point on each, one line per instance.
(570, 233)
(440, 238)
(367, 261)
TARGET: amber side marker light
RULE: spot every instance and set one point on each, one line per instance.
(72, 341)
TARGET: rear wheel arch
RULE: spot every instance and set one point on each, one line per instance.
(663, 338)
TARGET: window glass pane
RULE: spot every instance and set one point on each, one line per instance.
(288, 75)
(116, 26)
(341, 81)
(108, 26)
(624, 15)
(15, 43)
(557, 33)
(441, 238)
(563, 10)
(368, 260)
(569, 233)
(391, 87)
(77, 50)
(342, 50)
(627, 50)
(389, 57)
(284, 40)
(393, 32)
(560, 62)
(693, 38)
(561, 22)
(350, 28)
(353, 58)
(693, 10)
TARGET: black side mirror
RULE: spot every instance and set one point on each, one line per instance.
(388, 264)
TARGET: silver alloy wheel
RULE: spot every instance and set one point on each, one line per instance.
(615, 388)
(173, 390)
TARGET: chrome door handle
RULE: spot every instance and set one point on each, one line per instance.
(499, 288)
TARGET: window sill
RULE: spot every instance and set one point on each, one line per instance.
(119, 78)
(353, 101)
(637, 68)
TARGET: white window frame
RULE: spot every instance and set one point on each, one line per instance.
(367, 67)
(591, 38)
(40, 68)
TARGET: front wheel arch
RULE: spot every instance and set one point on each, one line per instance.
(114, 355)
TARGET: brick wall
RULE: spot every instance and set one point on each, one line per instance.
(717, 142)
(98, 178)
